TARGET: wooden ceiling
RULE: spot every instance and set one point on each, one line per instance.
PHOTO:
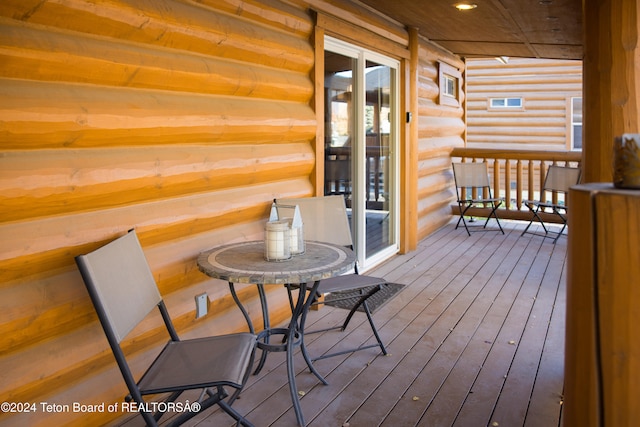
(513, 28)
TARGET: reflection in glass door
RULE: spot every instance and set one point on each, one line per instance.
(360, 140)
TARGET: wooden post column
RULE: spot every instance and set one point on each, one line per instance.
(611, 81)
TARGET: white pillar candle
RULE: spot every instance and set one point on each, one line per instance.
(277, 241)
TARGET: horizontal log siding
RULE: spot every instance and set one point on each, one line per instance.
(182, 119)
(440, 128)
(546, 87)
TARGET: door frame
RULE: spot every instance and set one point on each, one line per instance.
(362, 55)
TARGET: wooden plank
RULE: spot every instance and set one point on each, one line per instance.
(69, 58)
(88, 182)
(434, 372)
(478, 337)
(431, 302)
(161, 23)
(546, 403)
(49, 243)
(479, 405)
(95, 116)
(513, 404)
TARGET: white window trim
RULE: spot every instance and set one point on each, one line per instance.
(446, 71)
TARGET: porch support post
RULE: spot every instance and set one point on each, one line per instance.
(409, 150)
(319, 107)
(611, 72)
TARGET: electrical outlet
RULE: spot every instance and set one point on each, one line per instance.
(202, 305)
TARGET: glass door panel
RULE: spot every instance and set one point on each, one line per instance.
(377, 149)
(361, 122)
(339, 127)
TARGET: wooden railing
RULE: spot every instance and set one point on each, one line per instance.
(517, 175)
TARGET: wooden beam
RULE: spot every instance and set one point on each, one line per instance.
(319, 105)
(409, 150)
(611, 71)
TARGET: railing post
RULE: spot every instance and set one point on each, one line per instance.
(554, 195)
(507, 183)
(530, 177)
(519, 184)
(474, 190)
(543, 174)
(496, 177)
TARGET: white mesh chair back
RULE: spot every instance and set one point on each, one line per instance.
(471, 174)
(561, 178)
(120, 276)
(324, 218)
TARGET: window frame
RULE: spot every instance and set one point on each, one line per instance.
(449, 73)
(573, 123)
(506, 106)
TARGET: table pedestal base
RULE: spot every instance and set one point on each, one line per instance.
(291, 337)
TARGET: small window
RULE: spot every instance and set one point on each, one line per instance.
(449, 86)
(576, 123)
(450, 80)
(505, 103)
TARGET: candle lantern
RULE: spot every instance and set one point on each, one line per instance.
(291, 214)
(277, 241)
(626, 161)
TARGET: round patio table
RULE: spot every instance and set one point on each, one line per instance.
(244, 262)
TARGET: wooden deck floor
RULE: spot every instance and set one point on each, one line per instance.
(476, 338)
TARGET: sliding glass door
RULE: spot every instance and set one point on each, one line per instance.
(361, 139)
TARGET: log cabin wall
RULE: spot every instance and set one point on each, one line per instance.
(546, 88)
(183, 119)
(441, 127)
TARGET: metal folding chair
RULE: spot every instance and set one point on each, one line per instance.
(124, 292)
(325, 220)
(473, 190)
(558, 180)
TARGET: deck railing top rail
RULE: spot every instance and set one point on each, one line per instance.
(491, 153)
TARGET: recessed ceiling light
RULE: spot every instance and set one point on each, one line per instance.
(465, 6)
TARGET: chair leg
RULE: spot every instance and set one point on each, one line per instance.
(564, 224)
(215, 398)
(462, 213)
(234, 414)
(361, 302)
(363, 299)
(527, 227)
(495, 215)
(535, 217)
(373, 328)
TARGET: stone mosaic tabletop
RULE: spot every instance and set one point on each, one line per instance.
(244, 263)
